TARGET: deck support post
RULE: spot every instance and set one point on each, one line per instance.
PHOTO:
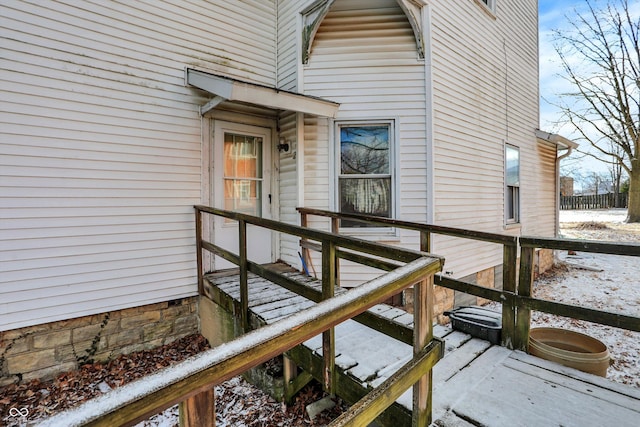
(306, 257)
(293, 381)
(509, 258)
(199, 252)
(525, 285)
(335, 229)
(422, 337)
(199, 410)
(244, 275)
(328, 337)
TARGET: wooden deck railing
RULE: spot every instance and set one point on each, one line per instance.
(516, 295)
(332, 247)
(509, 250)
(525, 302)
(191, 382)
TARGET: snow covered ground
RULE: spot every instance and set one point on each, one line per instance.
(605, 282)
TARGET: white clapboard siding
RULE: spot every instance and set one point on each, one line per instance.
(364, 57)
(539, 219)
(288, 55)
(485, 94)
(100, 146)
(288, 182)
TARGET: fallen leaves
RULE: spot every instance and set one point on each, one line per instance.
(44, 398)
(237, 402)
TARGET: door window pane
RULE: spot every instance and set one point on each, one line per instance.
(243, 174)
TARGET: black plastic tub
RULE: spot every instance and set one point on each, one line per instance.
(478, 322)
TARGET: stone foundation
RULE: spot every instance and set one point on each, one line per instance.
(544, 260)
(43, 351)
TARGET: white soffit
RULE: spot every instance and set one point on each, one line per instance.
(225, 88)
(556, 139)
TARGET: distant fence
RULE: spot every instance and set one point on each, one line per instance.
(594, 201)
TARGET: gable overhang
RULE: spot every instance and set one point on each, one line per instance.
(228, 89)
(313, 15)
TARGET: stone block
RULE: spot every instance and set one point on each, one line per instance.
(32, 361)
(80, 349)
(156, 331)
(175, 312)
(49, 372)
(155, 343)
(485, 278)
(186, 325)
(17, 334)
(133, 348)
(15, 345)
(89, 332)
(124, 338)
(127, 312)
(140, 319)
(52, 339)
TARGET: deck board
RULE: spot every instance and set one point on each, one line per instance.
(474, 384)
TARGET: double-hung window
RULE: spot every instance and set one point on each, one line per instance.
(365, 175)
(512, 184)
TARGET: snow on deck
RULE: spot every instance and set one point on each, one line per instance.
(474, 384)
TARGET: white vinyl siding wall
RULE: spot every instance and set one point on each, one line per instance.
(288, 187)
(539, 214)
(100, 147)
(485, 95)
(364, 57)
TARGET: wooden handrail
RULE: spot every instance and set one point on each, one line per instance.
(137, 401)
(408, 225)
(516, 295)
(509, 258)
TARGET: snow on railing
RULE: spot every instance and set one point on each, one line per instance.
(140, 399)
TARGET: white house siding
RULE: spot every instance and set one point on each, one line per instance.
(364, 56)
(288, 186)
(100, 146)
(485, 94)
(288, 43)
(539, 218)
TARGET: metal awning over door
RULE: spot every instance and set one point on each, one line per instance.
(227, 89)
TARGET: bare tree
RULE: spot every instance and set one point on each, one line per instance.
(616, 173)
(600, 55)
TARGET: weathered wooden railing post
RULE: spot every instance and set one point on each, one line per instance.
(335, 229)
(510, 255)
(328, 337)
(199, 252)
(422, 336)
(525, 286)
(244, 274)
(425, 241)
(199, 410)
(305, 251)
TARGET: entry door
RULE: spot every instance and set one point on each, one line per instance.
(242, 183)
